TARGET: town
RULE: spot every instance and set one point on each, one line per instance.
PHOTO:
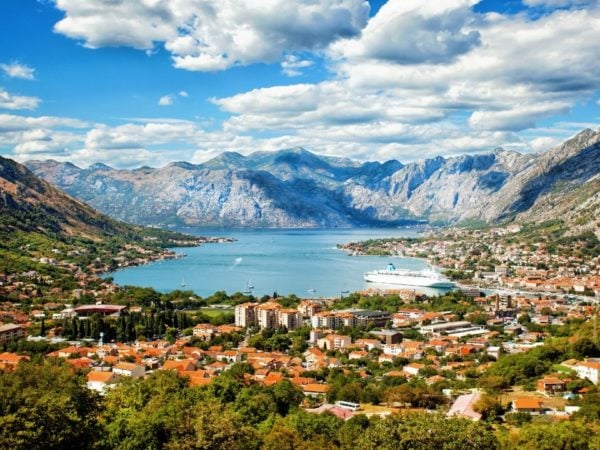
(497, 356)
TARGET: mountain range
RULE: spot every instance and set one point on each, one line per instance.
(297, 188)
(30, 206)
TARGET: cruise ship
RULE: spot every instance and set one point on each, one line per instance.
(423, 278)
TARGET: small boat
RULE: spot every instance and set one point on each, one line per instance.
(249, 287)
(183, 284)
(312, 290)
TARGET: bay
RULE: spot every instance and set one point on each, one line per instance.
(302, 262)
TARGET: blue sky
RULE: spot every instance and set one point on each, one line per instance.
(146, 82)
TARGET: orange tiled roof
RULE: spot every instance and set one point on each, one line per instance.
(528, 403)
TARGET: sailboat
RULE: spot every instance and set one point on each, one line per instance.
(183, 282)
(249, 287)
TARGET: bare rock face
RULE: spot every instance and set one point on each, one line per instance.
(297, 188)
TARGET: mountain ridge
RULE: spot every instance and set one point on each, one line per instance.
(298, 188)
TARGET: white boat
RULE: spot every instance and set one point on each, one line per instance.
(424, 278)
(249, 288)
(183, 284)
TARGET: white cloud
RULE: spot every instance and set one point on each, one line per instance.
(518, 118)
(10, 101)
(292, 64)
(16, 70)
(165, 100)
(423, 79)
(11, 122)
(558, 3)
(415, 32)
(204, 35)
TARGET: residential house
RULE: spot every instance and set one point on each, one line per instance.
(99, 381)
(529, 405)
(129, 370)
(550, 385)
(588, 369)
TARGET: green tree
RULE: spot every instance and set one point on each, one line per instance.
(46, 407)
(556, 436)
(421, 431)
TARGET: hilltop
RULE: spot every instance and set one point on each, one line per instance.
(38, 222)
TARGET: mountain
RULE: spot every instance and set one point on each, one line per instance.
(297, 188)
(33, 206)
(30, 204)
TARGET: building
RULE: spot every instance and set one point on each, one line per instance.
(463, 407)
(268, 315)
(529, 405)
(588, 369)
(129, 370)
(308, 308)
(388, 337)
(365, 318)
(459, 329)
(104, 310)
(245, 315)
(289, 318)
(334, 342)
(11, 360)
(550, 385)
(325, 319)
(99, 381)
(204, 331)
(11, 332)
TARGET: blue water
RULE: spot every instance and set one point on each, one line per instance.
(283, 261)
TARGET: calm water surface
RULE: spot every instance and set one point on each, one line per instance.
(303, 262)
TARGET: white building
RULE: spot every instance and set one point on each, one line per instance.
(129, 370)
(588, 369)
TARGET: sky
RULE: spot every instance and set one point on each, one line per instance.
(147, 82)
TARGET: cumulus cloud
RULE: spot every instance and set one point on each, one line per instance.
(292, 65)
(16, 70)
(165, 100)
(415, 32)
(518, 118)
(10, 101)
(558, 3)
(422, 79)
(206, 36)
(11, 122)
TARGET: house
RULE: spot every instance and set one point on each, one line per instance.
(550, 385)
(204, 331)
(334, 342)
(11, 360)
(315, 389)
(463, 407)
(99, 381)
(358, 354)
(588, 369)
(129, 370)
(11, 332)
(412, 369)
(368, 344)
(528, 405)
(180, 365)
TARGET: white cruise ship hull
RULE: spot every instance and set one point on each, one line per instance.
(407, 280)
